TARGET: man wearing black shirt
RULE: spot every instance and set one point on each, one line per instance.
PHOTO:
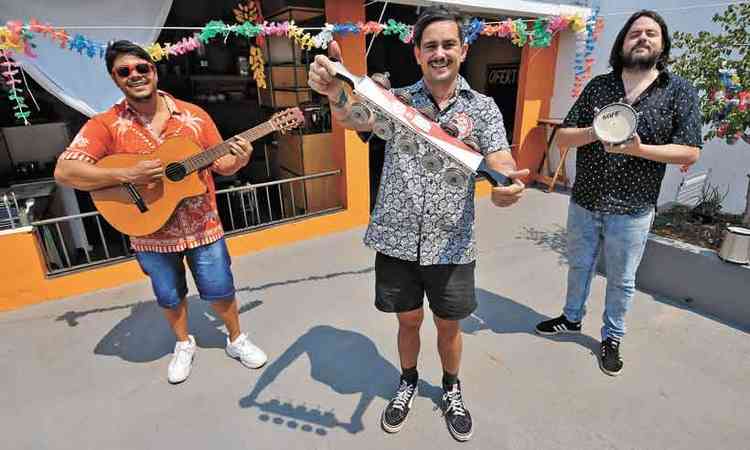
(617, 186)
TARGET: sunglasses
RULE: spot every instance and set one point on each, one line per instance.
(141, 68)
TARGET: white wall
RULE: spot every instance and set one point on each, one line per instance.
(729, 164)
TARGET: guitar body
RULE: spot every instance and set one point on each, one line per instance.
(142, 210)
(161, 198)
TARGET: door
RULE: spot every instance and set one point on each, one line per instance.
(502, 85)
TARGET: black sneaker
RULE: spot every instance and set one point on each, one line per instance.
(558, 325)
(394, 414)
(610, 361)
(456, 415)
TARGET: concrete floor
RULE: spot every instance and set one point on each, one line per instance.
(90, 371)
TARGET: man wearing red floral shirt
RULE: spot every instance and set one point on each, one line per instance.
(139, 124)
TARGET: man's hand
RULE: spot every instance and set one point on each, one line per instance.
(503, 196)
(241, 149)
(321, 77)
(630, 147)
(145, 172)
(229, 164)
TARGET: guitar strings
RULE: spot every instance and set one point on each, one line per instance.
(194, 162)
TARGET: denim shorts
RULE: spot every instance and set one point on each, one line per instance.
(209, 264)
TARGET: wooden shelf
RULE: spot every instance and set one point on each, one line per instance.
(304, 155)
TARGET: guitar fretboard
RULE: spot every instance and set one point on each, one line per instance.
(206, 158)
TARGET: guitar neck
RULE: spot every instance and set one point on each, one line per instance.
(206, 158)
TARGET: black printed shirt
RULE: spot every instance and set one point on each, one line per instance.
(418, 216)
(624, 184)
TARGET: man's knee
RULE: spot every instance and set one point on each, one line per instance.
(411, 320)
(447, 329)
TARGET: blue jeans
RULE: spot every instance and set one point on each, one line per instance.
(209, 264)
(624, 238)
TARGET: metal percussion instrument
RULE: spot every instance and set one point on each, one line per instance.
(360, 114)
(616, 123)
(383, 128)
(394, 115)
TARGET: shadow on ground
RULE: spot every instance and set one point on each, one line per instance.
(144, 336)
(328, 276)
(554, 240)
(346, 361)
(502, 315)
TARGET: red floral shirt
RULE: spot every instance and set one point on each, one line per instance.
(195, 221)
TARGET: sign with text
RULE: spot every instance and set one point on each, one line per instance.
(502, 85)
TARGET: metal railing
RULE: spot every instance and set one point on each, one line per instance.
(12, 215)
(77, 242)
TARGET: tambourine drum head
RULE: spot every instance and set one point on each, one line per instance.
(615, 124)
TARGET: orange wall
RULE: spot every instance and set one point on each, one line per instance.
(535, 90)
(24, 282)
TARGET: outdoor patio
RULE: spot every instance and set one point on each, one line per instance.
(90, 371)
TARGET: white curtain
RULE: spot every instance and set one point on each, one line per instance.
(78, 80)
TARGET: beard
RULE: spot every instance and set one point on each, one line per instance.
(639, 61)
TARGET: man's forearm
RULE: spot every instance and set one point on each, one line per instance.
(87, 177)
(341, 106)
(501, 161)
(669, 153)
(575, 137)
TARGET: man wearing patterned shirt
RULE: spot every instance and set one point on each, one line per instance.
(422, 227)
(617, 187)
(139, 124)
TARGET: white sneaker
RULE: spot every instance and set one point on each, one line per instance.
(182, 360)
(246, 352)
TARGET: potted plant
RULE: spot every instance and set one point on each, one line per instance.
(718, 65)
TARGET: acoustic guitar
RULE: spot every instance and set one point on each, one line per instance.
(144, 209)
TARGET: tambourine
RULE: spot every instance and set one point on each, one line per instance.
(615, 123)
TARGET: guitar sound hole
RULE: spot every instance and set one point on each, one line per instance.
(175, 172)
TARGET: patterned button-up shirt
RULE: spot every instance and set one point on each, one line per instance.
(623, 184)
(418, 216)
(195, 221)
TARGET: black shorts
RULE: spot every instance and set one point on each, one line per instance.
(400, 286)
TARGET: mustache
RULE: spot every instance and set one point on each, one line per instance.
(642, 44)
